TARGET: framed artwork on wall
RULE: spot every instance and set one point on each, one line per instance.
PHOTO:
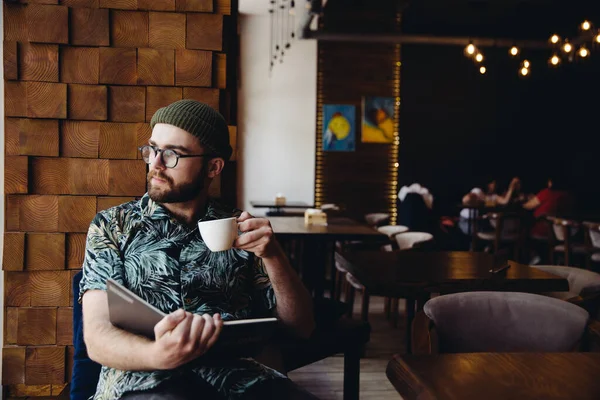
(339, 127)
(378, 120)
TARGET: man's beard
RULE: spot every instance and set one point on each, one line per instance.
(175, 193)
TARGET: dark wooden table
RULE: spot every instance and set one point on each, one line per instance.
(497, 376)
(318, 243)
(277, 209)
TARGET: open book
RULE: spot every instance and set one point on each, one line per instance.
(238, 338)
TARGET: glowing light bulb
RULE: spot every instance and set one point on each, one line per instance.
(554, 38)
(586, 25)
(470, 49)
(555, 60)
(514, 51)
(479, 57)
(524, 71)
(598, 39)
(583, 52)
(526, 64)
(567, 47)
(482, 70)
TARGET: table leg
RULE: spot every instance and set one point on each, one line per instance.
(410, 316)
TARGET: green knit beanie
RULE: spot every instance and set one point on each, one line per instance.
(200, 120)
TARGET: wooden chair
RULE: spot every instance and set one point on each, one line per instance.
(377, 219)
(562, 240)
(507, 230)
(592, 242)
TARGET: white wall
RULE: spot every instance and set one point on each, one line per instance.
(276, 119)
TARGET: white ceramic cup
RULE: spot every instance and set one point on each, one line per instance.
(219, 234)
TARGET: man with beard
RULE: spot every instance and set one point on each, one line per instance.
(153, 247)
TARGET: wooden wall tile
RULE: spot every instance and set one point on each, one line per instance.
(167, 30)
(104, 203)
(22, 390)
(223, 7)
(36, 326)
(46, 100)
(63, 176)
(221, 70)
(64, 326)
(157, 5)
(118, 66)
(50, 175)
(16, 289)
(49, 288)
(72, 272)
(70, 356)
(193, 68)
(204, 31)
(15, 174)
(11, 66)
(79, 65)
(13, 365)
(233, 142)
(144, 132)
(81, 3)
(45, 365)
(13, 206)
(15, 99)
(87, 102)
(118, 141)
(155, 67)
(15, 22)
(129, 28)
(32, 137)
(38, 213)
(47, 23)
(119, 4)
(127, 103)
(11, 323)
(89, 27)
(13, 256)
(57, 390)
(12, 130)
(203, 95)
(93, 182)
(75, 249)
(45, 251)
(127, 178)
(75, 213)
(79, 139)
(194, 5)
(157, 97)
(38, 62)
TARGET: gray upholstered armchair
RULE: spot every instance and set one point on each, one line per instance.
(501, 322)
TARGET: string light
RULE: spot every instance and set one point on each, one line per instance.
(479, 57)
(470, 49)
(586, 25)
(524, 71)
(554, 60)
(514, 51)
(526, 64)
(554, 38)
(598, 38)
(482, 70)
(567, 47)
(583, 52)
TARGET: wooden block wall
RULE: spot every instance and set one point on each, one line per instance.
(82, 81)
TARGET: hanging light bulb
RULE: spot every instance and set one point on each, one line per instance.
(583, 52)
(598, 38)
(524, 71)
(567, 47)
(479, 57)
(470, 49)
(526, 64)
(554, 38)
(586, 25)
(554, 60)
(514, 51)
(482, 70)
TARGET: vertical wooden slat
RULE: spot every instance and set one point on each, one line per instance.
(11, 67)
(11, 324)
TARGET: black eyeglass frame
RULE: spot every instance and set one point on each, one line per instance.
(160, 152)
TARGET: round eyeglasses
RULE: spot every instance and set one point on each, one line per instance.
(168, 157)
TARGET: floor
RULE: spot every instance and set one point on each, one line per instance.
(324, 379)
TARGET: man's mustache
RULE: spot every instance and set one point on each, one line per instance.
(156, 174)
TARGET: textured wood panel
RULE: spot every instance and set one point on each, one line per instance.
(36, 326)
(15, 174)
(46, 100)
(22, 390)
(33, 137)
(220, 70)
(157, 5)
(79, 65)
(81, 3)
(45, 365)
(13, 256)
(127, 103)
(167, 30)
(58, 389)
(193, 68)
(118, 141)
(223, 7)
(155, 67)
(11, 323)
(64, 176)
(11, 67)
(194, 5)
(47, 23)
(87, 102)
(79, 139)
(127, 178)
(45, 251)
(90, 27)
(12, 130)
(119, 4)
(70, 355)
(157, 97)
(13, 363)
(38, 62)
(49, 288)
(205, 95)
(16, 289)
(204, 31)
(64, 326)
(118, 66)
(15, 22)
(75, 249)
(129, 28)
(38, 213)
(15, 99)
(72, 272)
(75, 213)
(104, 203)
(144, 132)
